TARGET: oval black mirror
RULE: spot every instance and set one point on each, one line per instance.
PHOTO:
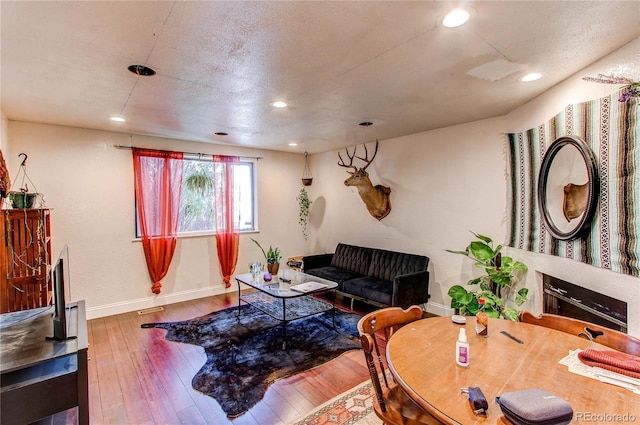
(568, 188)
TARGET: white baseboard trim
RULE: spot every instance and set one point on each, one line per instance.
(176, 297)
(439, 309)
(155, 301)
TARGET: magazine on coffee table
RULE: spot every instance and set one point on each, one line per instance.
(308, 286)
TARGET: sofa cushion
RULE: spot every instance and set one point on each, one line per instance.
(386, 265)
(370, 288)
(352, 258)
(334, 274)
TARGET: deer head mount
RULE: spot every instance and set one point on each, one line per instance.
(376, 198)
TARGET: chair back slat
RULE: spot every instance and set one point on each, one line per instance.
(375, 330)
(367, 346)
(608, 337)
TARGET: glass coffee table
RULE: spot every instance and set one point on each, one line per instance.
(288, 297)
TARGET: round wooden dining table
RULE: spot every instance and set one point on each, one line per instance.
(421, 357)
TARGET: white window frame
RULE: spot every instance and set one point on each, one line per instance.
(254, 193)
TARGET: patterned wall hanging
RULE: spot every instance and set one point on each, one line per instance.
(610, 129)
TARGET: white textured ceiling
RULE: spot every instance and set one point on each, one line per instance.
(220, 65)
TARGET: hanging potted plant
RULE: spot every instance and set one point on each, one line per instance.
(22, 198)
(307, 178)
(196, 207)
(304, 204)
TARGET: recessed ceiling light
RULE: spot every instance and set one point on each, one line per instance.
(117, 119)
(221, 133)
(293, 144)
(455, 18)
(145, 71)
(366, 123)
(279, 104)
(533, 76)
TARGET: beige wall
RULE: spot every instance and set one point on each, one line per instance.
(4, 138)
(625, 61)
(89, 185)
(452, 180)
(444, 184)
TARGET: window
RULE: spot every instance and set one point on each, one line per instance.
(197, 200)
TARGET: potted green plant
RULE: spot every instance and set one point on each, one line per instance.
(273, 257)
(22, 199)
(502, 275)
(304, 203)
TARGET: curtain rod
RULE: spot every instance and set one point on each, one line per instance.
(190, 153)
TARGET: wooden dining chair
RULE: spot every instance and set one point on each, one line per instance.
(392, 405)
(605, 336)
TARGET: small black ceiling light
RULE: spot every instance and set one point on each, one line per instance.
(145, 71)
(221, 133)
(366, 123)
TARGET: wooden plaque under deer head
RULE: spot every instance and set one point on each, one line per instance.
(376, 198)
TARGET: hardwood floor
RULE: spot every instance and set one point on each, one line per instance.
(137, 377)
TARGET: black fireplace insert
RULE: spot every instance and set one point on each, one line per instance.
(569, 300)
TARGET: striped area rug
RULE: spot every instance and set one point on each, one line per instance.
(352, 407)
(611, 129)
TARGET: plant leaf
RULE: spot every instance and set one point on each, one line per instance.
(494, 314)
(486, 239)
(511, 314)
(465, 253)
(481, 251)
(457, 291)
(517, 265)
(521, 297)
(475, 281)
(261, 249)
(474, 306)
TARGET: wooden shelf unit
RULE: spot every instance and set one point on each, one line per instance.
(25, 257)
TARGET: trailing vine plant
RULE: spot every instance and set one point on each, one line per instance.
(304, 203)
(196, 205)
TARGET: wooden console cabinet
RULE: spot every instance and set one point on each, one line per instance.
(25, 259)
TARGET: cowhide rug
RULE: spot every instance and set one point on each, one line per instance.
(245, 354)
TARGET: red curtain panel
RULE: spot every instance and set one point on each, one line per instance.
(227, 237)
(158, 179)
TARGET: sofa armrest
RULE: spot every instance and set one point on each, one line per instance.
(310, 262)
(411, 289)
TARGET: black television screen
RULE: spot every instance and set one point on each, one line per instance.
(60, 277)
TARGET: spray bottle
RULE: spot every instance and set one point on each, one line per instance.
(462, 349)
